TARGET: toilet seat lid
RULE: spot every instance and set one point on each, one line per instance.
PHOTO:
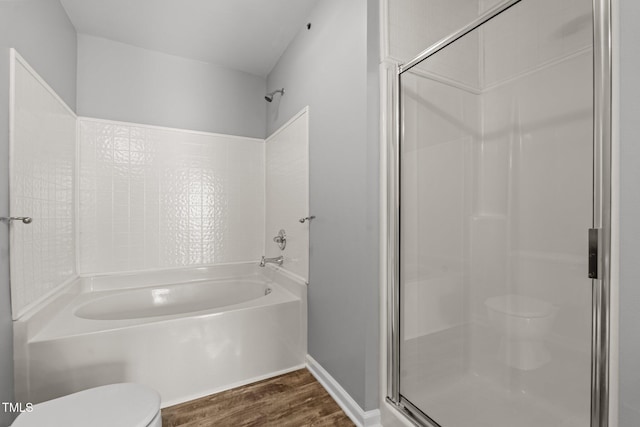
(124, 404)
(520, 306)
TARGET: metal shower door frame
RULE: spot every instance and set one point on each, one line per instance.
(601, 284)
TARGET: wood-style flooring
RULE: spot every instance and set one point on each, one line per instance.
(294, 399)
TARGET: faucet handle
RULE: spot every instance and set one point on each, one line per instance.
(281, 239)
(307, 218)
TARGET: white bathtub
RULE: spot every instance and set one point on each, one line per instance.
(186, 333)
(184, 298)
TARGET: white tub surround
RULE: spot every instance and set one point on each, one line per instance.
(287, 193)
(186, 333)
(42, 162)
(153, 197)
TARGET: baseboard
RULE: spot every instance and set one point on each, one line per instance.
(360, 417)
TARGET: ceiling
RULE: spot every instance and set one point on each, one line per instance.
(246, 35)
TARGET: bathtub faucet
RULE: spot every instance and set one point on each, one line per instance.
(277, 260)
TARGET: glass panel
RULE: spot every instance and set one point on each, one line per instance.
(496, 193)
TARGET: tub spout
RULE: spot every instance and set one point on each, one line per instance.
(277, 260)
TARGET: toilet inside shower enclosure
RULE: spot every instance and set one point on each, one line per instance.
(491, 301)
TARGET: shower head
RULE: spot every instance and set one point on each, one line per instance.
(270, 95)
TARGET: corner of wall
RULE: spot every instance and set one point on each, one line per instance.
(328, 68)
(373, 200)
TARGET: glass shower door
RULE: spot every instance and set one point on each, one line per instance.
(496, 199)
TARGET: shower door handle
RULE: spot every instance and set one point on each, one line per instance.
(594, 255)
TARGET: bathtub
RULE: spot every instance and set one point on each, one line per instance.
(186, 333)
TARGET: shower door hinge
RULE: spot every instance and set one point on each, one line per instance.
(594, 253)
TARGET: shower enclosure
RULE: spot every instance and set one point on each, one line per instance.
(499, 221)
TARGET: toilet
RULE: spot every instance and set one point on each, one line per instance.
(115, 405)
(523, 322)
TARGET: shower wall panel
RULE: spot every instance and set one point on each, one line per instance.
(42, 165)
(413, 25)
(155, 197)
(435, 168)
(287, 193)
(536, 221)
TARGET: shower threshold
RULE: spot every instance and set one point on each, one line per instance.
(472, 400)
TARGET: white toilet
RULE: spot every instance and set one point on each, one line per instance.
(115, 405)
(524, 322)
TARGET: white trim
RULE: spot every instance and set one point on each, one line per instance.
(170, 129)
(360, 417)
(308, 201)
(289, 122)
(76, 195)
(12, 130)
(230, 386)
(384, 31)
(264, 198)
(385, 114)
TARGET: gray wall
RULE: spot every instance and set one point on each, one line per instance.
(121, 82)
(629, 214)
(43, 35)
(330, 69)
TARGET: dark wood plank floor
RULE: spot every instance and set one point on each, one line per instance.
(294, 399)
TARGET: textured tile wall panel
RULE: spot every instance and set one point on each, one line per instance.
(287, 193)
(156, 198)
(42, 187)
